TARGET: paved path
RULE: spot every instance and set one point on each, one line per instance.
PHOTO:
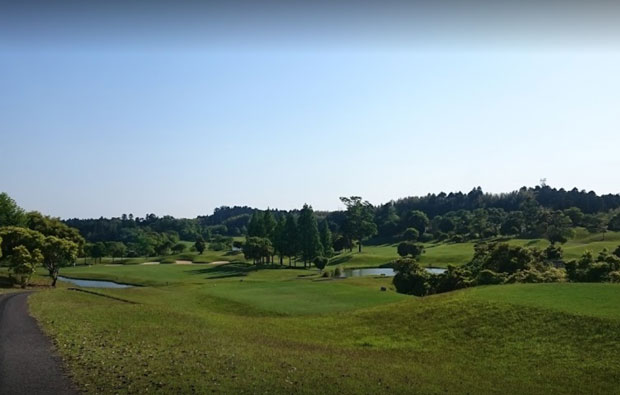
(27, 362)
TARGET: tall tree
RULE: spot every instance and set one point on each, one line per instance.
(256, 226)
(290, 239)
(309, 238)
(279, 238)
(359, 219)
(200, 244)
(326, 239)
(58, 253)
(269, 223)
(418, 220)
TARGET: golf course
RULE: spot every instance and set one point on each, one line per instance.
(236, 327)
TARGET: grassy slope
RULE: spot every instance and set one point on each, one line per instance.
(443, 254)
(279, 331)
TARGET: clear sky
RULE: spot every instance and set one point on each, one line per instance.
(178, 111)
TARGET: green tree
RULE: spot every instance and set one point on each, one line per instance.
(418, 220)
(178, 248)
(320, 262)
(407, 248)
(411, 234)
(614, 223)
(279, 239)
(290, 239)
(256, 226)
(446, 225)
(24, 264)
(13, 236)
(58, 253)
(116, 249)
(200, 244)
(49, 226)
(10, 213)
(269, 223)
(98, 250)
(359, 223)
(556, 227)
(326, 239)
(259, 249)
(309, 239)
(575, 215)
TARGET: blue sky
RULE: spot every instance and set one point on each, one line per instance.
(114, 127)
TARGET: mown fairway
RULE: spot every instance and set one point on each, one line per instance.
(286, 330)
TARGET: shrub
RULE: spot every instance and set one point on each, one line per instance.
(412, 283)
(407, 248)
(614, 277)
(452, 279)
(320, 262)
(553, 252)
(489, 277)
(554, 275)
(598, 272)
(338, 272)
(457, 239)
(526, 276)
(410, 278)
(411, 234)
(326, 274)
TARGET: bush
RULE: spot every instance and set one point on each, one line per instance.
(489, 277)
(452, 279)
(526, 276)
(338, 272)
(320, 262)
(411, 234)
(412, 283)
(553, 275)
(326, 274)
(614, 277)
(457, 239)
(407, 248)
(598, 272)
(410, 278)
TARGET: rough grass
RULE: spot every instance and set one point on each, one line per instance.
(286, 330)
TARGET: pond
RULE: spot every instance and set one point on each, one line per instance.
(93, 283)
(380, 271)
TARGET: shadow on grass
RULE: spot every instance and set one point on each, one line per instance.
(232, 270)
(6, 282)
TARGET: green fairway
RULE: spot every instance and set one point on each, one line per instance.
(287, 330)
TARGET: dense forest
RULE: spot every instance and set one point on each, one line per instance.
(529, 212)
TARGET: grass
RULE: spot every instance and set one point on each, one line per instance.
(287, 330)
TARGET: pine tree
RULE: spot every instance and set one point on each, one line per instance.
(269, 224)
(256, 227)
(290, 239)
(326, 239)
(279, 238)
(309, 238)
